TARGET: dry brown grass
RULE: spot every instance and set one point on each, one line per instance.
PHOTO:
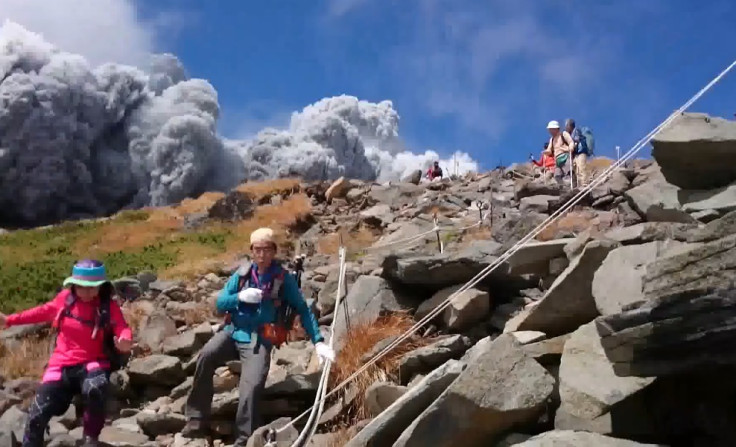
(571, 222)
(599, 163)
(353, 240)
(28, 359)
(276, 186)
(360, 340)
(199, 205)
(482, 233)
(118, 236)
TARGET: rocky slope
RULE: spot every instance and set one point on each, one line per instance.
(613, 328)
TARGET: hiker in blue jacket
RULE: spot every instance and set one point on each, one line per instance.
(256, 301)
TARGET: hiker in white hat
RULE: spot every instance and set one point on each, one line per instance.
(561, 144)
(260, 301)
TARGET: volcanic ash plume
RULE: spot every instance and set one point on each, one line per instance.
(79, 141)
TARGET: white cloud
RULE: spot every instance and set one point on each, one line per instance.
(100, 30)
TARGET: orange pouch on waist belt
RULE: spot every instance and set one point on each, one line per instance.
(275, 334)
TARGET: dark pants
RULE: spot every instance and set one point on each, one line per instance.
(255, 363)
(53, 399)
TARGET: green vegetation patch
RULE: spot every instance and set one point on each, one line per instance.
(34, 263)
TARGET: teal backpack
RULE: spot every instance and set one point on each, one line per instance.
(587, 142)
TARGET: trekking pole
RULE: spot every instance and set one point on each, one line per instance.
(479, 204)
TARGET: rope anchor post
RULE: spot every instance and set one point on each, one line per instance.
(437, 230)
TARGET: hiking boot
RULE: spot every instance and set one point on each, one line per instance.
(90, 442)
(195, 428)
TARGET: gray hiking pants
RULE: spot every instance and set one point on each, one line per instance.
(219, 350)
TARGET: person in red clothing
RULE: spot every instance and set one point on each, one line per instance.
(84, 315)
(434, 171)
(546, 162)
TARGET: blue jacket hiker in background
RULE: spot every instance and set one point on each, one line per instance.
(260, 301)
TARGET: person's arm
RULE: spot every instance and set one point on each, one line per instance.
(44, 313)
(227, 299)
(119, 326)
(569, 143)
(294, 297)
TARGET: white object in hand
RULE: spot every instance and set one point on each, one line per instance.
(324, 352)
(251, 295)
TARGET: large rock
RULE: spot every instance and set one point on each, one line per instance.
(619, 280)
(571, 438)
(156, 369)
(722, 200)
(368, 299)
(708, 265)
(395, 196)
(526, 188)
(650, 231)
(156, 328)
(338, 189)
(501, 388)
(386, 428)
(466, 308)
(658, 201)
(534, 256)
(414, 177)
(154, 424)
(381, 395)
(569, 301)
(115, 437)
(431, 356)
(697, 151)
(539, 204)
(593, 397)
(444, 269)
(682, 332)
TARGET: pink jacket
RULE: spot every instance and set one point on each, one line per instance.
(74, 342)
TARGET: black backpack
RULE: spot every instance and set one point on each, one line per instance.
(102, 323)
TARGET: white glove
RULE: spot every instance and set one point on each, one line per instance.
(324, 352)
(251, 295)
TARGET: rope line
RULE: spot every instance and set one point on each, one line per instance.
(511, 251)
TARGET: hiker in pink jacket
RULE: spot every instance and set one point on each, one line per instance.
(91, 333)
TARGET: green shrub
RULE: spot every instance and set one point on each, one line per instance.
(28, 281)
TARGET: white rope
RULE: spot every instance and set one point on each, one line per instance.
(319, 401)
(485, 272)
(510, 252)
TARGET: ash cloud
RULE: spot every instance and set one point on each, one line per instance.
(78, 141)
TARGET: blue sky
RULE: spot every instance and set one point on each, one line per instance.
(483, 77)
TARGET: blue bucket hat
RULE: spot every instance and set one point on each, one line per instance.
(87, 273)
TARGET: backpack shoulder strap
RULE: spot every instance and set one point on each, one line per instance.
(244, 272)
(65, 311)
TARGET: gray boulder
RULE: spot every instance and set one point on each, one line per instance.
(500, 389)
(466, 308)
(441, 270)
(386, 428)
(593, 397)
(697, 151)
(571, 438)
(368, 299)
(569, 302)
(619, 280)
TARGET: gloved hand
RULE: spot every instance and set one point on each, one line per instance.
(251, 295)
(324, 352)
